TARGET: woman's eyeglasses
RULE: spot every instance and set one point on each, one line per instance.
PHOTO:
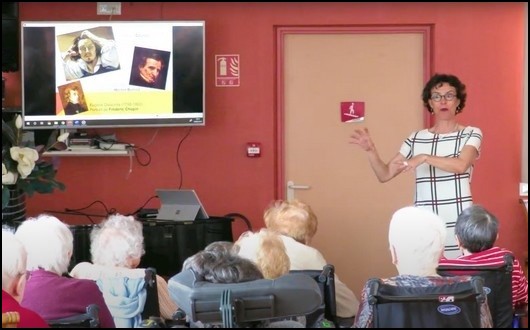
(438, 97)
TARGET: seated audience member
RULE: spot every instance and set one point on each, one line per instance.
(116, 246)
(270, 252)
(476, 231)
(14, 280)
(272, 261)
(220, 263)
(49, 244)
(297, 224)
(416, 237)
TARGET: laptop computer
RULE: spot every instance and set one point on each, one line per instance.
(180, 205)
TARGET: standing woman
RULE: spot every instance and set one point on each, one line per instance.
(442, 156)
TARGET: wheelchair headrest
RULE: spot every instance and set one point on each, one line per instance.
(286, 296)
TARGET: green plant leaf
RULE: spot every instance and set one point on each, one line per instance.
(8, 133)
(5, 197)
(52, 139)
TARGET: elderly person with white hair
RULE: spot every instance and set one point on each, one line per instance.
(14, 259)
(416, 237)
(116, 246)
(49, 244)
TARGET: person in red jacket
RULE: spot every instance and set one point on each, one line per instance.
(14, 282)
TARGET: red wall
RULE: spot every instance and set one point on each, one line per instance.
(482, 43)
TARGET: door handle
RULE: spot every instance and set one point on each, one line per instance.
(291, 187)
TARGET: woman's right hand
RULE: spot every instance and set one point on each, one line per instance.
(361, 137)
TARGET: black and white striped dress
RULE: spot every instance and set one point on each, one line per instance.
(445, 193)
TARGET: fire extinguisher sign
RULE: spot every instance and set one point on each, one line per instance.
(227, 70)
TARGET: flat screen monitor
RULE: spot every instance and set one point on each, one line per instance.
(81, 75)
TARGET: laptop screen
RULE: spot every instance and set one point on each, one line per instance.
(180, 205)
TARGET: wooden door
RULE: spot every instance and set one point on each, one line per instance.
(318, 69)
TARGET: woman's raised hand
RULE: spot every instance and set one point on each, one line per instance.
(361, 137)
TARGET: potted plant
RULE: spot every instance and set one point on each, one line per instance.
(23, 168)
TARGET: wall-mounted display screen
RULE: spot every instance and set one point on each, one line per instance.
(112, 74)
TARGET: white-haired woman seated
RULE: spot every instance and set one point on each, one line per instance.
(116, 246)
(14, 259)
(49, 244)
(416, 237)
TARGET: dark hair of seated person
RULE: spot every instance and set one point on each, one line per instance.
(223, 267)
(223, 247)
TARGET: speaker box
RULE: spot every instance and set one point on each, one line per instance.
(169, 243)
(10, 37)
